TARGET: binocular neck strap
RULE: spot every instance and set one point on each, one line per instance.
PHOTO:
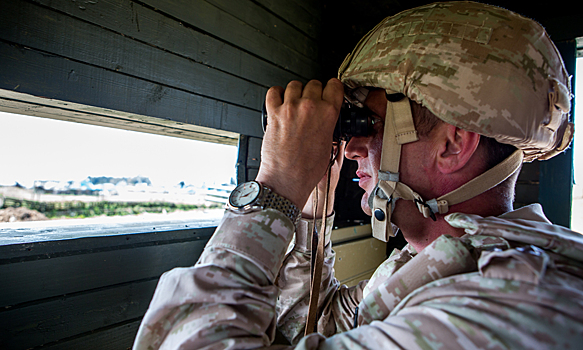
(318, 242)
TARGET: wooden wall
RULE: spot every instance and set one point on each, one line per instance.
(187, 68)
(89, 292)
(179, 67)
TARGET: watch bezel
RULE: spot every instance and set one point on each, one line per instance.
(253, 205)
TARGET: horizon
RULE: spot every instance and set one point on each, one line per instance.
(43, 149)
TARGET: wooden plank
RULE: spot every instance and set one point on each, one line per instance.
(38, 74)
(46, 278)
(314, 7)
(249, 158)
(283, 31)
(530, 173)
(112, 338)
(74, 314)
(154, 28)
(17, 103)
(351, 233)
(48, 31)
(241, 166)
(305, 15)
(212, 20)
(357, 257)
(49, 241)
(525, 194)
(254, 152)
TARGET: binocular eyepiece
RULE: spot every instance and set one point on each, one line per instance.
(353, 121)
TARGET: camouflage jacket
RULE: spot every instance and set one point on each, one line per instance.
(512, 282)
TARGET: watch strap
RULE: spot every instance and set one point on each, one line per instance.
(273, 200)
(268, 199)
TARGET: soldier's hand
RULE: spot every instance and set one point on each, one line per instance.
(298, 140)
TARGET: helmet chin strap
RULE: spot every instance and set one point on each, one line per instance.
(400, 129)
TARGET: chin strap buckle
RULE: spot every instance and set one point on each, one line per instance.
(425, 209)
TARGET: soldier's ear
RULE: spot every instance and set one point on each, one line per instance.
(455, 148)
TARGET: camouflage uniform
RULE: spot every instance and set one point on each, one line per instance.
(512, 282)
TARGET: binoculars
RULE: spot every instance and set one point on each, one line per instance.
(352, 122)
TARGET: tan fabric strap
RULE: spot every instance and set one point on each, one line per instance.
(471, 189)
(481, 183)
(403, 120)
(390, 160)
(399, 129)
(318, 262)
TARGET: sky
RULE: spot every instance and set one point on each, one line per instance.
(34, 148)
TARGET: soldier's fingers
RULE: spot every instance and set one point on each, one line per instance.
(334, 93)
(293, 91)
(273, 98)
(313, 90)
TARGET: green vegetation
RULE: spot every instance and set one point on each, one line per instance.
(75, 209)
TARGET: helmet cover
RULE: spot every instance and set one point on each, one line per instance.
(479, 67)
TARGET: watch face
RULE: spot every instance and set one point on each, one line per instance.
(244, 194)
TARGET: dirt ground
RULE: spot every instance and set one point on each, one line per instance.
(11, 214)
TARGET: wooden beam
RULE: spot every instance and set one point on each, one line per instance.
(48, 31)
(56, 78)
(18, 103)
(264, 21)
(305, 15)
(70, 315)
(201, 41)
(43, 278)
(120, 336)
(205, 17)
(46, 241)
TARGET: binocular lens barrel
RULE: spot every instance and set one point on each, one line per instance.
(353, 121)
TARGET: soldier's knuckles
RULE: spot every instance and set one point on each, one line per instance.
(307, 106)
(294, 84)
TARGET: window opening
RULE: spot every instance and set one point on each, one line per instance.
(56, 172)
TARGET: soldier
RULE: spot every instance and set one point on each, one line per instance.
(461, 94)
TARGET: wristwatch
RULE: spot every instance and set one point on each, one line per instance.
(253, 196)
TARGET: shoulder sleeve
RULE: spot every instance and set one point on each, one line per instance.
(471, 312)
(229, 294)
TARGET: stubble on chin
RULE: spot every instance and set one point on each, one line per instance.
(364, 204)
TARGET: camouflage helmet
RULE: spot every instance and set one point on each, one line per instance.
(479, 67)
